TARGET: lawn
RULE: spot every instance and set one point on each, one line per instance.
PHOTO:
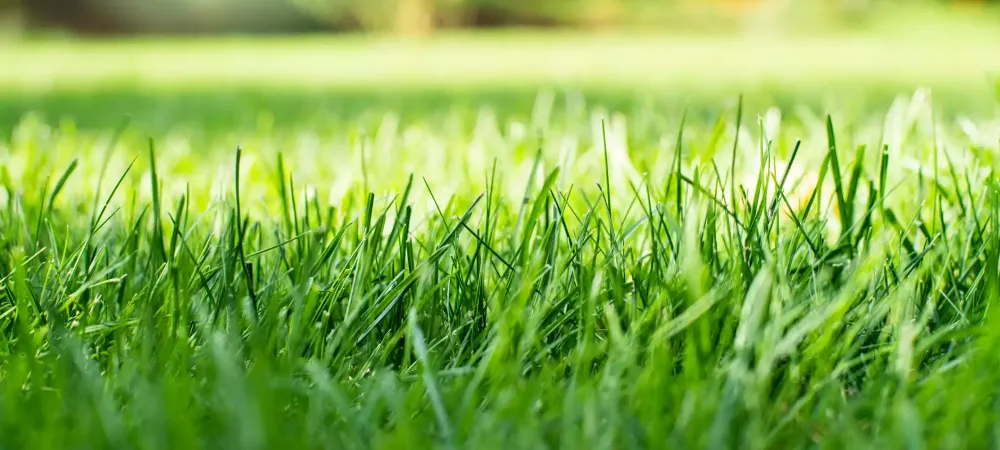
(530, 241)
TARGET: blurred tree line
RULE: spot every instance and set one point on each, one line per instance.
(417, 16)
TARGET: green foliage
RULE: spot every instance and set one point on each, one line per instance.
(556, 275)
(715, 15)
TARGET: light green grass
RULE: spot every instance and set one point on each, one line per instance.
(564, 276)
(937, 58)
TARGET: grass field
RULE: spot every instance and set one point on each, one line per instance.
(239, 256)
(510, 59)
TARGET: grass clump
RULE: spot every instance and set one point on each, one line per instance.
(569, 278)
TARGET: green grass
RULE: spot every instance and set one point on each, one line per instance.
(940, 58)
(395, 269)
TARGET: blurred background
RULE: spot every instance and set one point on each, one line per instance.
(418, 17)
(220, 63)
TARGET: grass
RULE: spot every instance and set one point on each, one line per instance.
(938, 58)
(546, 272)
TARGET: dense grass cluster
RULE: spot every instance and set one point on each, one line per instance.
(559, 277)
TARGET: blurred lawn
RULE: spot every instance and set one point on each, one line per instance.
(228, 82)
(506, 59)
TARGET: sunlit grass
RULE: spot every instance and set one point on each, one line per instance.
(638, 60)
(561, 275)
